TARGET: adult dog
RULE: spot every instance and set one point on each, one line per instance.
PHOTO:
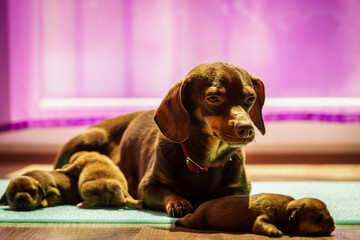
(189, 150)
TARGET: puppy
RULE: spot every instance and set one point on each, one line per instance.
(37, 189)
(265, 214)
(100, 181)
(190, 149)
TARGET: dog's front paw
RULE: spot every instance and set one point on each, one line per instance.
(179, 208)
(275, 233)
(44, 203)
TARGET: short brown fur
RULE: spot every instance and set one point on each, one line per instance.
(37, 189)
(265, 214)
(101, 183)
(209, 113)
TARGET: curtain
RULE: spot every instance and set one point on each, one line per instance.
(74, 62)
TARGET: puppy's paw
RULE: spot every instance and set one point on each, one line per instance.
(132, 203)
(88, 203)
(94, 137)
(82, 205)
(179, 208)
(275, 233)
(44, 203)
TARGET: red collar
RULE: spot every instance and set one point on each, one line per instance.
(195, 167)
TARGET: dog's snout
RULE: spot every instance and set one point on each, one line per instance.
(329, 222)
(22, 200)
(244, 130)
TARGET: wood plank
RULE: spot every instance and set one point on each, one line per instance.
(138, 231)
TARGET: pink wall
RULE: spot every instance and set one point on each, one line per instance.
(4, 65)
(137, 49)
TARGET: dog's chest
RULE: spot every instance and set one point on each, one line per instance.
(202, 186)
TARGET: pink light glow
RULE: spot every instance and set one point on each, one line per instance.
(138, 49)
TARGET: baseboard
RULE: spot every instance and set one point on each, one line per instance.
(284, 143)
(303, 158)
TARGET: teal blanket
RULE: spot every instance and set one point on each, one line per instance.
(342, 199)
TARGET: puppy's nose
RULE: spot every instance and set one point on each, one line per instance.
(244, 130)
(22, 200)
(330, 222)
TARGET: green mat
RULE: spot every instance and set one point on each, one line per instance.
(342, 199)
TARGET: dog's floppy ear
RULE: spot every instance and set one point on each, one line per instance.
(256, 110)
(294, 217)
(41, 191)
(171, 116)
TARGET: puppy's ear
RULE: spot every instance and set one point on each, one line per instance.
(294, 217)
(171, 116)
(256, 110)
(3, 200)
(41, 191)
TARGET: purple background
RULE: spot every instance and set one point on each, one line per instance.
(136, 49)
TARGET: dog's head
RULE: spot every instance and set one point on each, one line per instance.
(24, 193)
(310, 216)
(218, 98)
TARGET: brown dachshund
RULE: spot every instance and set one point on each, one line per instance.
(189, 150)
(37, 189)
(101, 183)
(265, 214)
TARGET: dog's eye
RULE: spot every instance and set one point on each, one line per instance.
(250, 99)
(213, 99)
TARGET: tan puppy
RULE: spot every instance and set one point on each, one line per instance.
(100, 181)
(36, 189)
(262, 214)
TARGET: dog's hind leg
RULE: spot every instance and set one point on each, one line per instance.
(263, 226)
(92, 139)
(90, 193)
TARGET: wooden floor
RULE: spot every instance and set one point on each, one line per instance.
(269, 172)
(137, 231)
(256, 172)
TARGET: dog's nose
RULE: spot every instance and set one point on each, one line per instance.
(330, 222)
(22, 200)
(245, 130)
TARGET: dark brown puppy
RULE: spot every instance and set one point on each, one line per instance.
(101, 183)
(266, 214)
(37, 189)
(192, 152)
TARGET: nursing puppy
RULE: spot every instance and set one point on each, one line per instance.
(100, 181)
(37, 189)
(265, 214)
